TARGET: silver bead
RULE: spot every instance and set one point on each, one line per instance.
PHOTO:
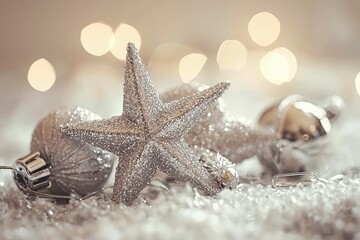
(220, 168)
(60, 165)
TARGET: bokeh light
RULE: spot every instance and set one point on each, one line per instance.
(231, 55)
(290, 57)
(164, 62)
(357, 83)
(264, 28)
(275, 67)
(191, 65)
(123, 35)
(41, 75)
(97, 38)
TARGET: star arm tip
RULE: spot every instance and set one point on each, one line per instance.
(140, 97)
(131, 48)
(180, 162)
(134, 171)
(183, 113)
(222, 87)
(75, 131)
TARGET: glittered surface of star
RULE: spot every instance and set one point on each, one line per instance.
(149, 135)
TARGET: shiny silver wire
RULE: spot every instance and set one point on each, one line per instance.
(71, 197)
(162, 185)
(55, 196)
(158, 184)
(155, 183)
(7, 168)
(101, 191)
(295, 178)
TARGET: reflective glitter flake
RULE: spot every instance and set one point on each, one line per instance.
(149, 135)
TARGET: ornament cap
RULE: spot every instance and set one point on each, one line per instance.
(31, 172)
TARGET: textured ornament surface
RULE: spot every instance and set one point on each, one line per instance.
(76, 167)
(235, 139)
(149, 135)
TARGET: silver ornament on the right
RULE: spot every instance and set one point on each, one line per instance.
(302, 128)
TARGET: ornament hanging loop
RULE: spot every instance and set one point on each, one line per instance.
(295, 178)
(7, 168)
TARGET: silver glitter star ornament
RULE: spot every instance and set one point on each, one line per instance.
(149, 134)
(60, 165)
